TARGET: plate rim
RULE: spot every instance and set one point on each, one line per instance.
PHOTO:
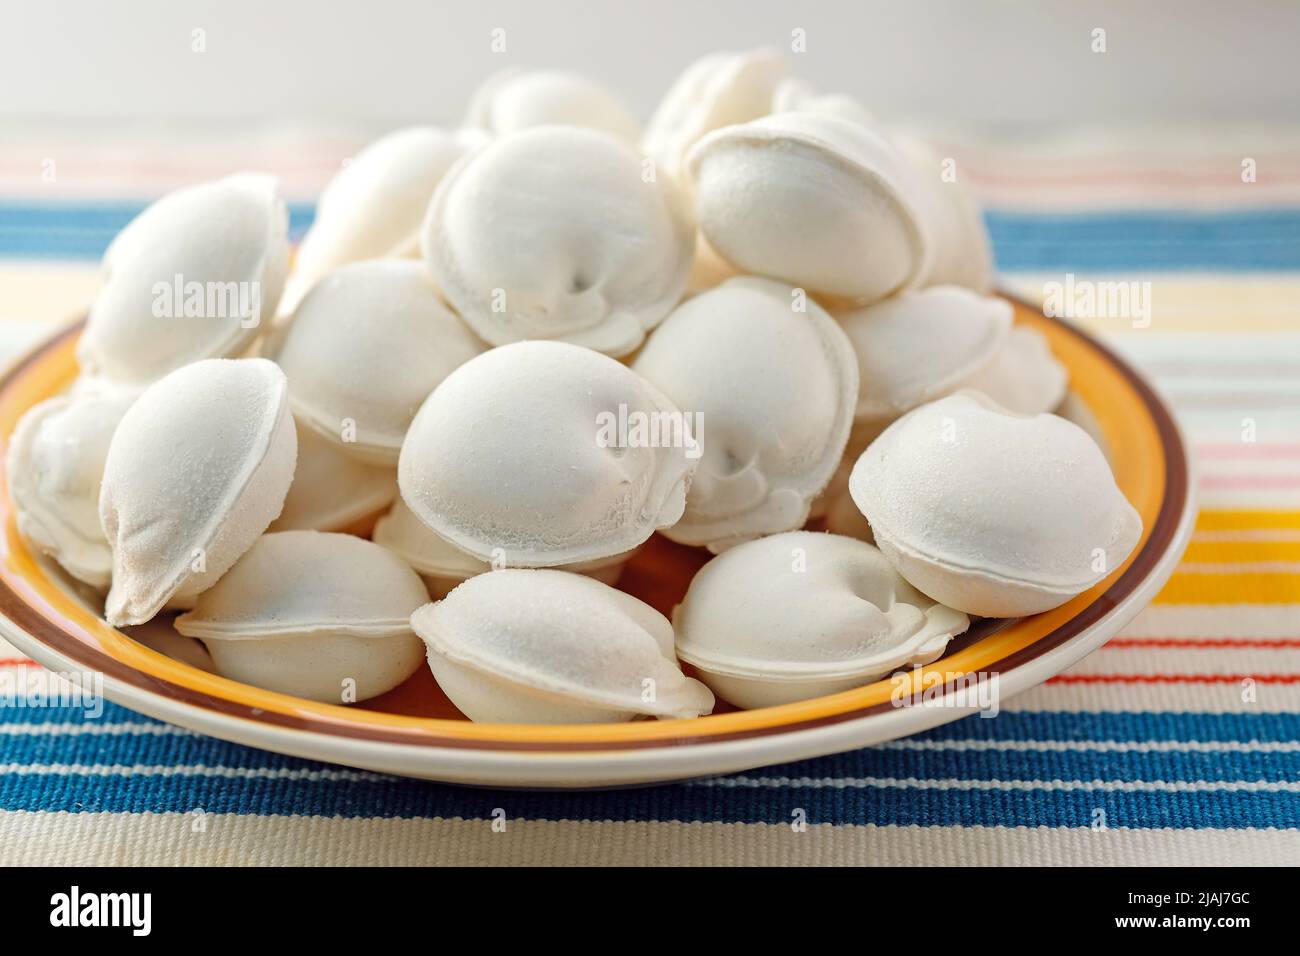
(429, 757)
(568, 770)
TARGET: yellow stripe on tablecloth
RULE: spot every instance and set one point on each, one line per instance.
(1214, 588)
(1247, 520)
(51, 293)
(1229, 303)
(1236, 552)
(1217, 571)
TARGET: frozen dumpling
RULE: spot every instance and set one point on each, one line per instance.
(192, 277)
(515, 99)
(55, 465)
(540, 454)
(916, 347)
(960, 252)
(374, 205)
(535, 647)
(440, 563)
(803, 614)
(364, 349)
(991, 512)
(321, 616)
(717, 90)
(559, 232)
(331, 490)
(1023, 375)
(798, 96)
(443, 565)
(813, 199)
(197, 468)
(772, 389)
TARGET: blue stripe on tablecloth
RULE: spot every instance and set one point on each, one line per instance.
(82, 231)
(1263, 240)
(1035, 765)
(1237, 241)
(364, 795)
(385, 798)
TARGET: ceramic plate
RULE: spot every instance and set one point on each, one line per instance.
(415, 731)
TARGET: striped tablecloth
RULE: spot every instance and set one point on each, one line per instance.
(1184, 730)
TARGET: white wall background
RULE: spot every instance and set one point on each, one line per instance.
(381, 61)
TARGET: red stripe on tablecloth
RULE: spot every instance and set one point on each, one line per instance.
(1268, 643)
(1162, 176)
(1174, 678)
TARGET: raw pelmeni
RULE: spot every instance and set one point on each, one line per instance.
(442, 565)
(321, 616)
(374, 205)
(798, 96)
(559, 232)
(773, 389)
(365, 348)
(991, 512)
(55, 464)
(1023, 375)
(803, 614)
(518, 457)
(192, 277)
(331, 490)
(960, 252)
(552, 647)
(814, 199)
(720, 89)
(197, 469)
(514, 99)
(916, 347)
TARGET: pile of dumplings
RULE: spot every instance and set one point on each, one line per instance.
(385, 452)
